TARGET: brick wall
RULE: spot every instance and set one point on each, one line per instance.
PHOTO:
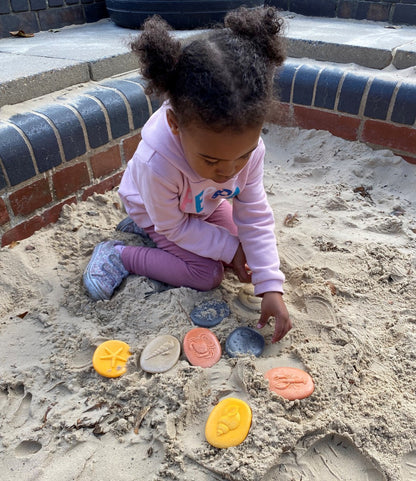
(62, 152)
(35, 15)
(377, 109)
(392, 11)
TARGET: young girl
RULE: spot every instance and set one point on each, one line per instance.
(199, 152)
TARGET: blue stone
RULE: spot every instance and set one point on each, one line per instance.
(210, 313)
(244, 340)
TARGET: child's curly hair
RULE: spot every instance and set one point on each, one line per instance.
(223, 81)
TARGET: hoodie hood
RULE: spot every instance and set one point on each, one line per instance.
(157, 127)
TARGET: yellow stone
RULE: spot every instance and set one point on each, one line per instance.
(229, 423)
(110, 358)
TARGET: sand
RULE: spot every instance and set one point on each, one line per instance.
(348, 252)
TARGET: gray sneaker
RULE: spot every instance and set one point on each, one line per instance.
(128, 225)
(105, 271)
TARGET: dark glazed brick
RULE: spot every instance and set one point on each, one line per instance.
(280, 4)
(283, 81)
(378, 100)
(304, 85)
(38, 4)
(404, 111)
(154, 100)
(95, 12)
(15, 155)
(69, 128)
(405, 14)
(116, 110)
(347, 8)
(94, 120)
(61, 17)
(87, 1)
(351, 93)
(5, 6)
(3, 182)
(42, 139)
(72, 2)
(20, 5)
(327, 87)
(26, 21)
(315, 8)
(136, 99)
(372, 11)
(55, 3)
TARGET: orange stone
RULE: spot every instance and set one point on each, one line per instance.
(290, 382)
(202, 347)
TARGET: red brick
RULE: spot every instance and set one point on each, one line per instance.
(339, 125)
(130, 146)
(283, 116)
(411, 160)
(69, 180)
(29, 227)
(31, 197)
(4, 215)
(103, 186)
(390, 135)
(106, 162)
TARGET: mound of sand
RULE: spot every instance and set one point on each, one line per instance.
(348, 251)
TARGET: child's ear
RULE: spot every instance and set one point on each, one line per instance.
(172, 121)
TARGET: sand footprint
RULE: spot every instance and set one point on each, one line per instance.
(27, 448)
(333, 458)
(320, 309)
(408, 466)
(16, 402)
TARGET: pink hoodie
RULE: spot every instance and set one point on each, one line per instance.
(160, 188)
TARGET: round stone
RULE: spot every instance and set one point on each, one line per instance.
(210, 313)
(228, 423)
(248, 299)
(290, 382)
(110, 358)
(160, 354)
(244, 340)
(201, 347)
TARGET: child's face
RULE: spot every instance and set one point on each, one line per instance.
(218, 156)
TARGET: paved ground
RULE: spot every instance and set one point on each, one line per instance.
(54, 60)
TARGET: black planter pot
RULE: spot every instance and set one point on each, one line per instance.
(180, 14)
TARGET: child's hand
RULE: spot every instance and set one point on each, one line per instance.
(273, 305)
(239, 265)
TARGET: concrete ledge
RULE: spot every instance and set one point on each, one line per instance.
(50, 61)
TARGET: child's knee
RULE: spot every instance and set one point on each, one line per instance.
(210, 277)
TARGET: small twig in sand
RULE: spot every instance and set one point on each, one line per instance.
(186, 314)
(139, 419)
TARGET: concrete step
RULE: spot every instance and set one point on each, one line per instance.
(55, 60)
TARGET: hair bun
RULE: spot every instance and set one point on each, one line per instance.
(158, 54)
(259, 25)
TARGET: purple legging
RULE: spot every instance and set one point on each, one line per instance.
(176, 266)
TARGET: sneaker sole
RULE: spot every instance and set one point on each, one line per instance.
(90, 284)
